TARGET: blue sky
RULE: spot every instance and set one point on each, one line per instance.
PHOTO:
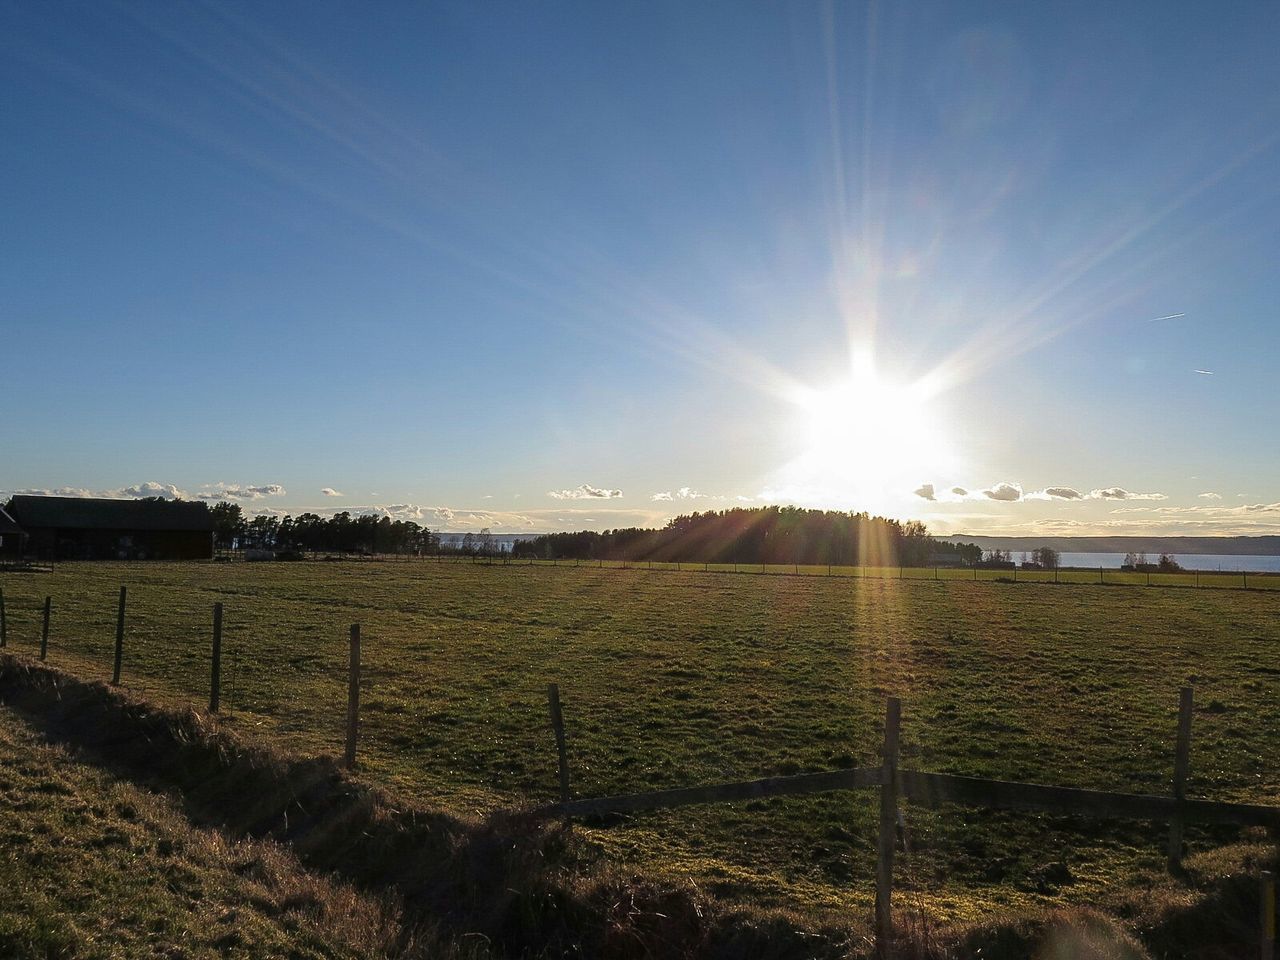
(545, 266)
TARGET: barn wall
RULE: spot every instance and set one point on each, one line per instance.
(10, 545)
(50, 544)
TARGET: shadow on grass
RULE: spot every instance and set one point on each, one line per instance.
(507, 886)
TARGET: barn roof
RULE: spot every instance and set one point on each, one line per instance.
(7, 523)
(88, 513)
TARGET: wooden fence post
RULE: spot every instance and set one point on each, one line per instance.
(1268, 918)
(4, 627)
(557, 724)
(44, 630)
(115, 669)
(353, 697)
(888, 827)
(1181, 767)
(215, 671)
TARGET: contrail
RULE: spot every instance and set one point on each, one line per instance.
(1172, 316)
(1206, 373)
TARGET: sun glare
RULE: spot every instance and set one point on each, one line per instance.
(866, 443)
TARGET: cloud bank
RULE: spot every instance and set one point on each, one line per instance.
(585, 492)
(688, 493)
(236, 491)
(1009, 492)
(138, 491)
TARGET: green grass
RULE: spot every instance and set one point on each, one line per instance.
(92, 867)
(1219, 579)
(677, 677)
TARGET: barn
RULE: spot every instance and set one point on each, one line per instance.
(11, 538)
(86, 528)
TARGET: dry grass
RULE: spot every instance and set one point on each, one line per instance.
(93, 866)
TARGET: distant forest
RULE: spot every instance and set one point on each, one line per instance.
(759, 535)
(341, 533)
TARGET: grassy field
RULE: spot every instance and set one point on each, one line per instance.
(1202, 579)
(94, 868)
(678, 677)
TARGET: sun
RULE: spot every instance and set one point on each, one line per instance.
(866, 442)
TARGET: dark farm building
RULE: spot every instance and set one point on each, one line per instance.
(84, 528)
(11, 537)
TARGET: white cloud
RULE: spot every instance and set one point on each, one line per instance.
(585, 492)
(448, 519)
(56, 492)
(236, 491)
(138, 491)
(1120, 493)
(1009, 492)
(404, 511)
(152, 489)
(330, 492)
(394, 511)
(278, 512)
(1207, 510)
(688, 493)
(1209, 496)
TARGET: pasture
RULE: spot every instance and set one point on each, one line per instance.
(671, 678)
(97, 868)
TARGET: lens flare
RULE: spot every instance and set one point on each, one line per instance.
(865, 443)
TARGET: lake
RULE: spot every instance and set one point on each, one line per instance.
(1190, 561)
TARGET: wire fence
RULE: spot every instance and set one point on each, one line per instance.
(1220, 579)
(897, 785)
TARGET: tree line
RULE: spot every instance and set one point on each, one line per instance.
(1042, 558)
(1138, 562)
(311, 532)
(758, 535)
(769, 535)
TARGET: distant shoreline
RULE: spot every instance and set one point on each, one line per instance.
(1261, 546)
